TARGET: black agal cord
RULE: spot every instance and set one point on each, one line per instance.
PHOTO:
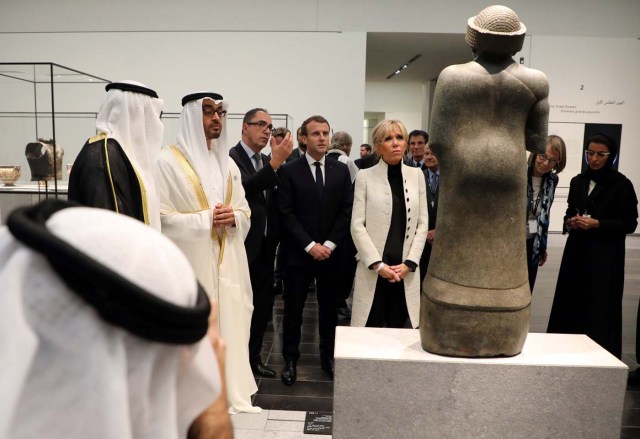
(117, 300)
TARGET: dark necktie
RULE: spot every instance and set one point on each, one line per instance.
(257, 164)
(434, 182)
(319, 182)
(257, 161)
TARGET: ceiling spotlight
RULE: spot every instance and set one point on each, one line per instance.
(404, 66)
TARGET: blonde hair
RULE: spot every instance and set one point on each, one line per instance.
(559, 148)
(384, 128)
(557, 145)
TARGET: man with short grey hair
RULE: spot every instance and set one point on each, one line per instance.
(340, 149)
(259, 179)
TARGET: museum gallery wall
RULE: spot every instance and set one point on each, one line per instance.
(298, 59)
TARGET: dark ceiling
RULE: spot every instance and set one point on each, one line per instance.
(387, 51)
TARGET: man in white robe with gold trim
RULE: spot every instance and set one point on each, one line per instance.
(204, 211)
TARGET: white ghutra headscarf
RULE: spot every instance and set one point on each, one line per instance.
(130, 114)
(66, 372)
(212, 166)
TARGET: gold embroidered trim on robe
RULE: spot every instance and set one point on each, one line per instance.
(201, 197)
(97, 138)
(143, 191)
(227, 200)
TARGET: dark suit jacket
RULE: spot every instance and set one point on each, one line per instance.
(263, 210)
(409, 162)
(305, 217)
(368, 161)
(295, 154)
(431, 198)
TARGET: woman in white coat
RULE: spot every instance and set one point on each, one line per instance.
(389, 228)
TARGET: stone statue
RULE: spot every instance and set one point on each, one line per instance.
(476, 299)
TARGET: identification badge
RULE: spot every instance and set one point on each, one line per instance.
(533, 226)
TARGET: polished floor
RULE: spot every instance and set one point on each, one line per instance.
(285, 407)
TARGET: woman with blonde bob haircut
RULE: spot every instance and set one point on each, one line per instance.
(542, 180)
(389, 229)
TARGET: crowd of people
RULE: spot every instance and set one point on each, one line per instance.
(249, 225)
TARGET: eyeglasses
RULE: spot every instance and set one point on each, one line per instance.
(209, 112)
(543, 158)
(599, 154)
(262, 125)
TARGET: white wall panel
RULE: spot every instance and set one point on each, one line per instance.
(403, 101)
(610, 18)
(542, 17)
(151, 15)
(283, 72)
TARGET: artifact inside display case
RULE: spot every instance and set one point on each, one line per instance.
(9, 174)
(43, 103)
(44, 160)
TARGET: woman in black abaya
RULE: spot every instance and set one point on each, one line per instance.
(602, 210)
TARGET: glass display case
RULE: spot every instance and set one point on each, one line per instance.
(43, 124)
(47, 113)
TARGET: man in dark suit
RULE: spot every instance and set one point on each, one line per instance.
(300, 150)
(315, 196)
(259, 180)
(418, 140)
(432, 176)
(367, 161)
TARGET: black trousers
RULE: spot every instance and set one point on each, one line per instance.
(346, 272)
(261, 275)
(296, 288)
(424, 262)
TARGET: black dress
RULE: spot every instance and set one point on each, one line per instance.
(588, 297)
(389, 308)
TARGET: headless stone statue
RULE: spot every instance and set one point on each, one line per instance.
(476, 298)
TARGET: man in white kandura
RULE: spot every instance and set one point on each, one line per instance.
(103, 331)
(204, 211)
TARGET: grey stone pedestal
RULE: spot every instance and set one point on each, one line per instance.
(560, 386)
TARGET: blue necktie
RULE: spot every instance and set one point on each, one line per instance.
(434, 182)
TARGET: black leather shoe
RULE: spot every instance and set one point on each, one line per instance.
(327, 367)
(289, 373)
(260, 369)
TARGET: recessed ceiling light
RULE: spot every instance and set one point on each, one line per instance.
(404, 66)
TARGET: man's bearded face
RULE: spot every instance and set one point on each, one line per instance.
(212, 118)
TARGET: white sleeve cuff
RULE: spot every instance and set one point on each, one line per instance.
(330, 244)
